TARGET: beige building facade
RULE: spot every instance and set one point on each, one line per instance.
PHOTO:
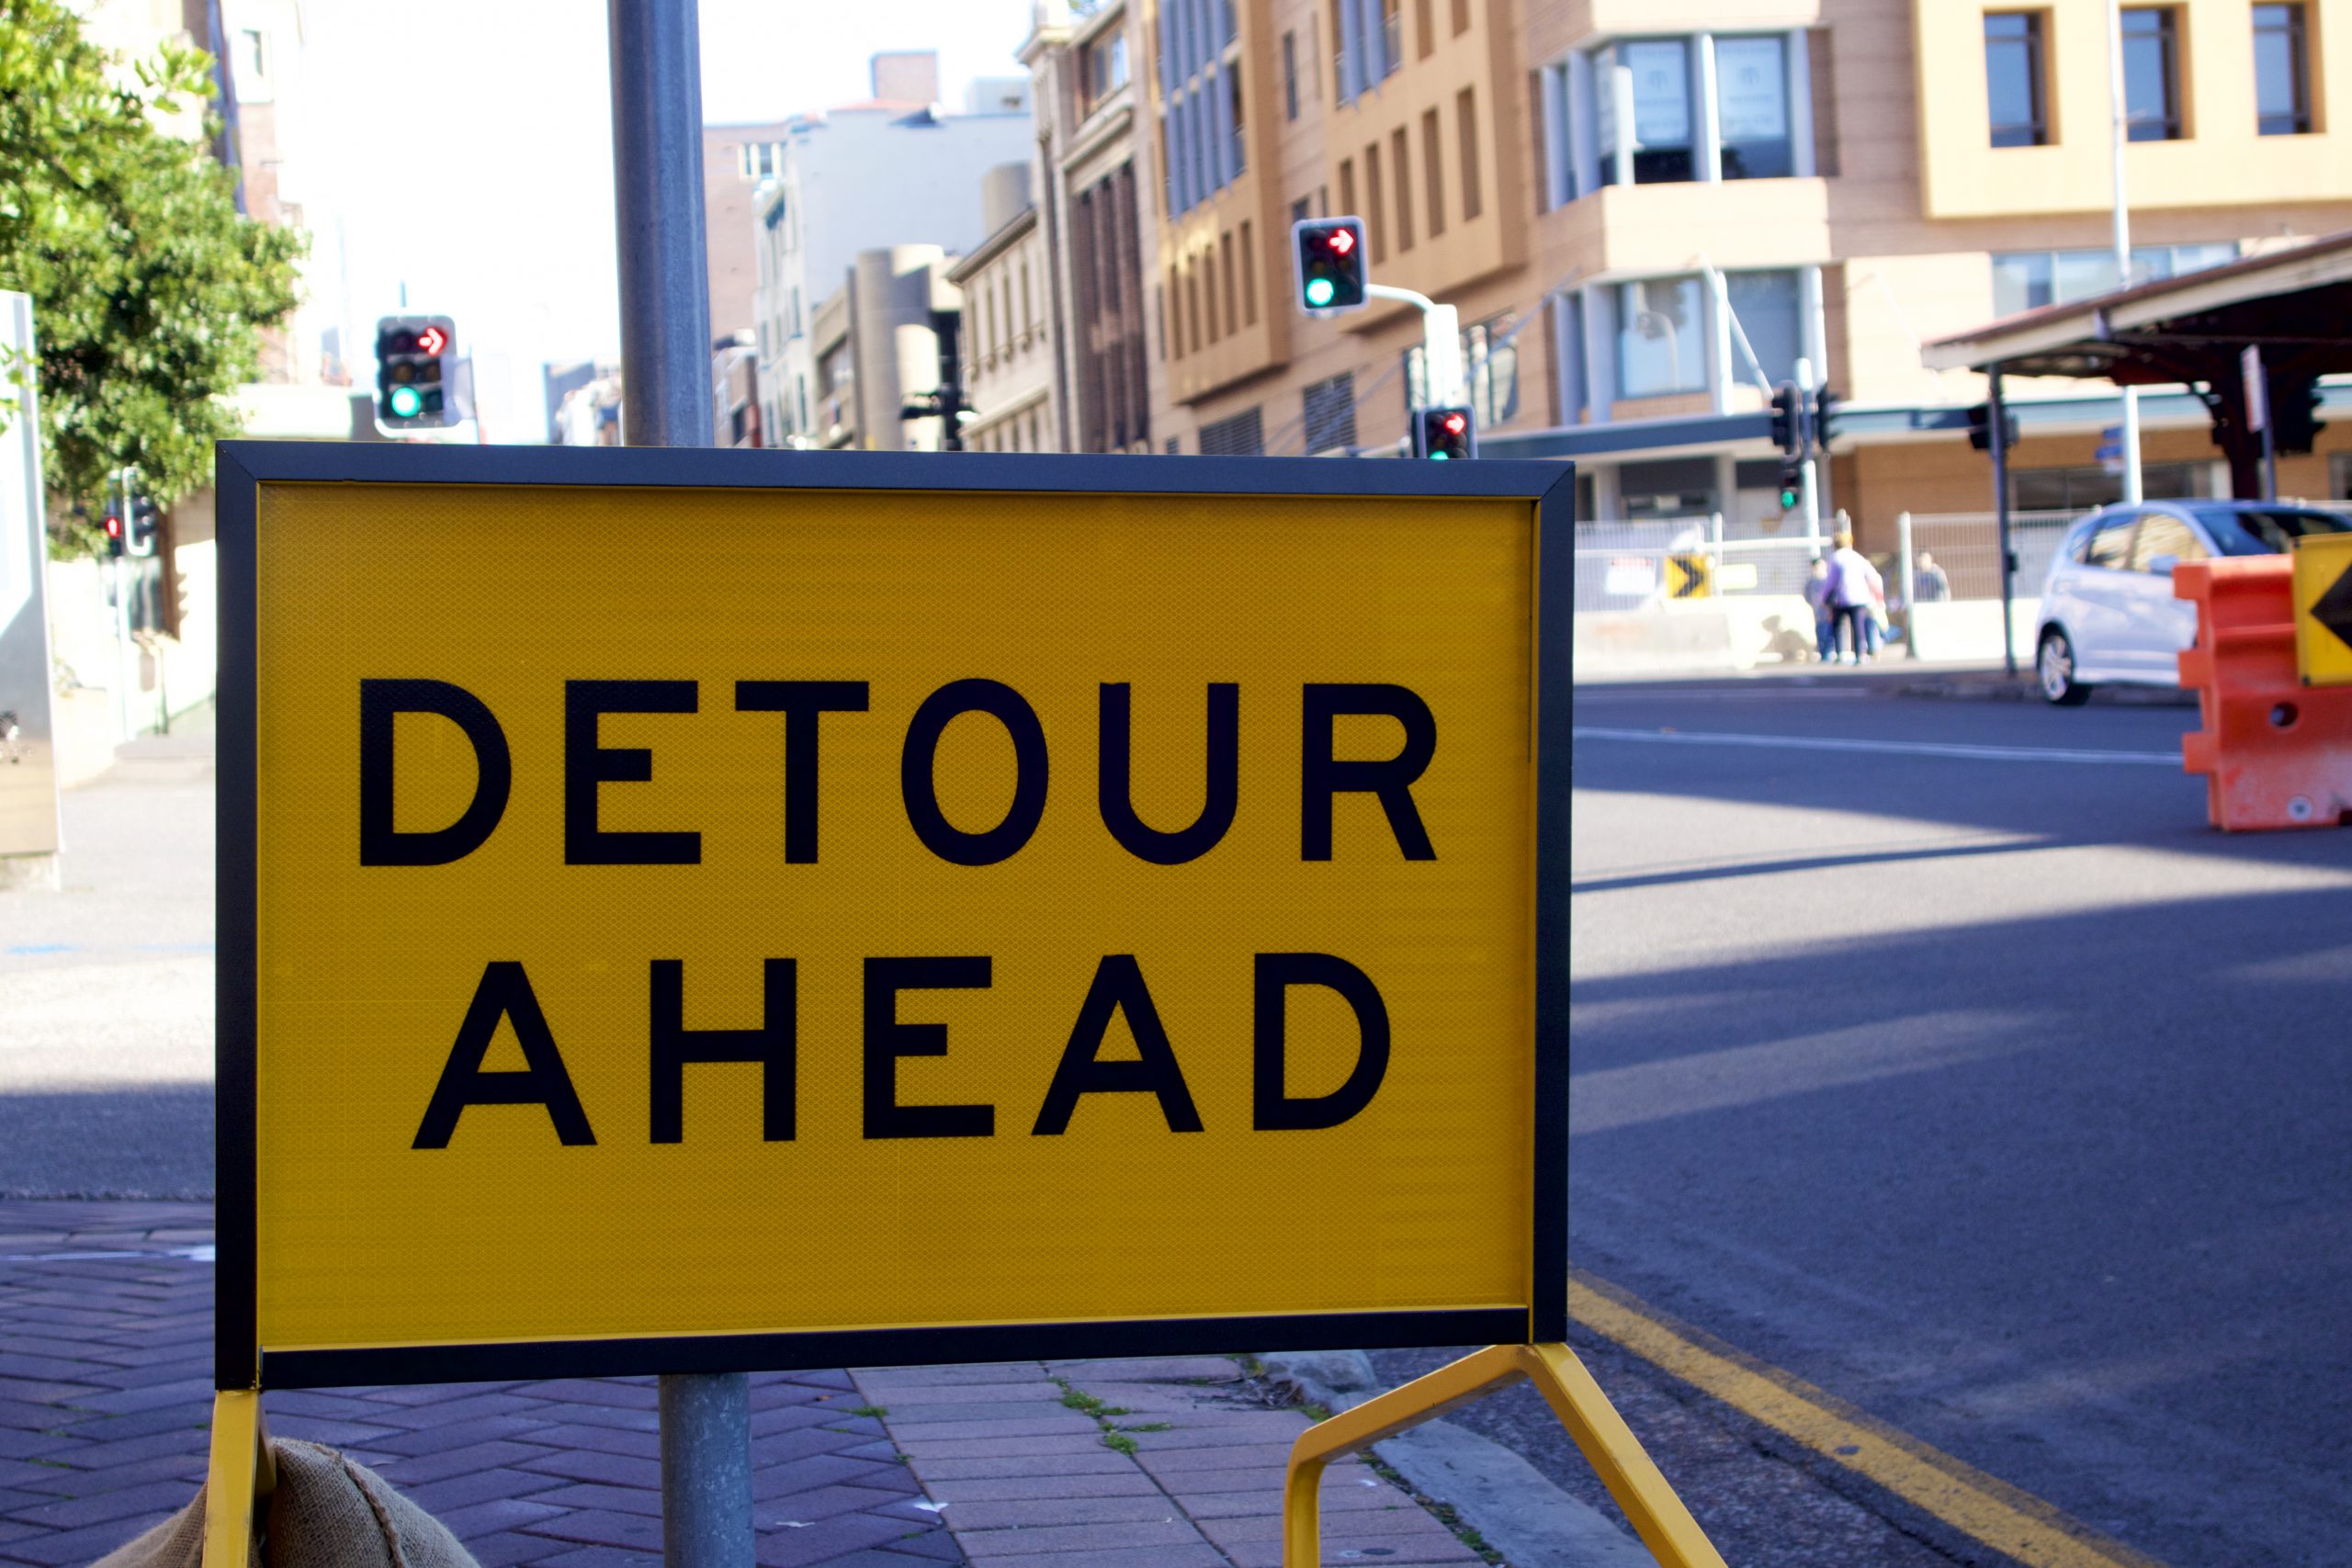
(1648, 212)
(1007, 334)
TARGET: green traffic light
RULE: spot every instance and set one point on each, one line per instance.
(1789, 500)
(1441, 456)
(1319, 291)
(405, 403)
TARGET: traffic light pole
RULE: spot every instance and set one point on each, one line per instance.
(1442, 381)
(1811, 474)
(665, 361)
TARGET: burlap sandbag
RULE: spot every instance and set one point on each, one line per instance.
(326, 1513)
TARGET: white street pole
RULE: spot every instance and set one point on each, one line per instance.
(2122, 234)
(1444, 384)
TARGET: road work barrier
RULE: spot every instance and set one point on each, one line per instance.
(2276, 752)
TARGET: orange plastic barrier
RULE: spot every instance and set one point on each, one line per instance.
(2274, 752)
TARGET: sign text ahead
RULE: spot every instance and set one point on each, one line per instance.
(697, 922)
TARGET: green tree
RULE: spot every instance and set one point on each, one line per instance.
(150, 289)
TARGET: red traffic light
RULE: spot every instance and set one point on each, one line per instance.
(1341, 241)
(114, 527)
(432, 340)
(1455, 424)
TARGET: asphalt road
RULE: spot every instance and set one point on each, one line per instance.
(1996, 1095)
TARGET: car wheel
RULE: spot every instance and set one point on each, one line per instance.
(2054, 668)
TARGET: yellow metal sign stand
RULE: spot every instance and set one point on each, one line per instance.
(1658, 1516)
(240, 1479)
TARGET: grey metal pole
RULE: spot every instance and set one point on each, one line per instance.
(657, 191)
(2119, 129)
(665, 368)
(1999, 423)
(706, 1469)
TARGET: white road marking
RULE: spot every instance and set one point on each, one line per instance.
(1891, 748)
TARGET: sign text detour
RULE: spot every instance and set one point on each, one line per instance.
(686, 913)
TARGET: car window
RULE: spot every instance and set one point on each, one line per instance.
(2112, 545)
(2267, 531)
(2079, 547)
(2161, 534)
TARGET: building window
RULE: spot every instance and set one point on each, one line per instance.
(1397, 155)
(2282, 79)
(1433, 172)
(1465, 133)
(1249, 276)
(1240, 142)
(1348, 185)
(1492, 364)
(1661, 338)
(1425, 29)
(2079, 490)
(2015, 79)
(1658, 72)
(1752, 107)
(1460, 17)
(1290, 75)
(1766, 305)
(1106, 68)
(2027, 280)
(1225, 269)
(1391, 37)
(1242, 436)
(2152, 75)
(1376, 203)
(1330, 407)
(1672, 487)
(1302, 209)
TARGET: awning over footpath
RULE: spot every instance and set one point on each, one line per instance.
(2293, 306)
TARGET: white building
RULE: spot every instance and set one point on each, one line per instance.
(887, 172)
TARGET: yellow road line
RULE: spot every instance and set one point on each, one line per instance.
(1967, 1499)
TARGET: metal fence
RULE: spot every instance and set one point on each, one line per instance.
(1632, 566)
(1966, 546)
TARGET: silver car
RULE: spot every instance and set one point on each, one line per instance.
(2107, 611)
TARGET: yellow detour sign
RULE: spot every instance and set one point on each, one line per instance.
(2323, 609)
(687, 911)
(1686, 577)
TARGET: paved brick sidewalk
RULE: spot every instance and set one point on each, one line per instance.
(106, 1392)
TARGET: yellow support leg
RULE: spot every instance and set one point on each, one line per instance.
(240, 1479)
(1665, 1526)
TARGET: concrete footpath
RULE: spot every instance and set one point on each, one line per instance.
(105, 1402)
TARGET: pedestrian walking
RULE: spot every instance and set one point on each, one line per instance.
(1929, 583)
(1856, 588)
(1825, 614)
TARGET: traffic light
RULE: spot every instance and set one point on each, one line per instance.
(146, 518)
(1788, 419)
(1825, 404)
(1331, 266)
(2294, 414)
(114, 530)
(1980, 428)
(1791, 485)
(415, 363)
(1444, 433)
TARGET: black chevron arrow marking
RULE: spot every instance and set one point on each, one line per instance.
(2333, 609)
